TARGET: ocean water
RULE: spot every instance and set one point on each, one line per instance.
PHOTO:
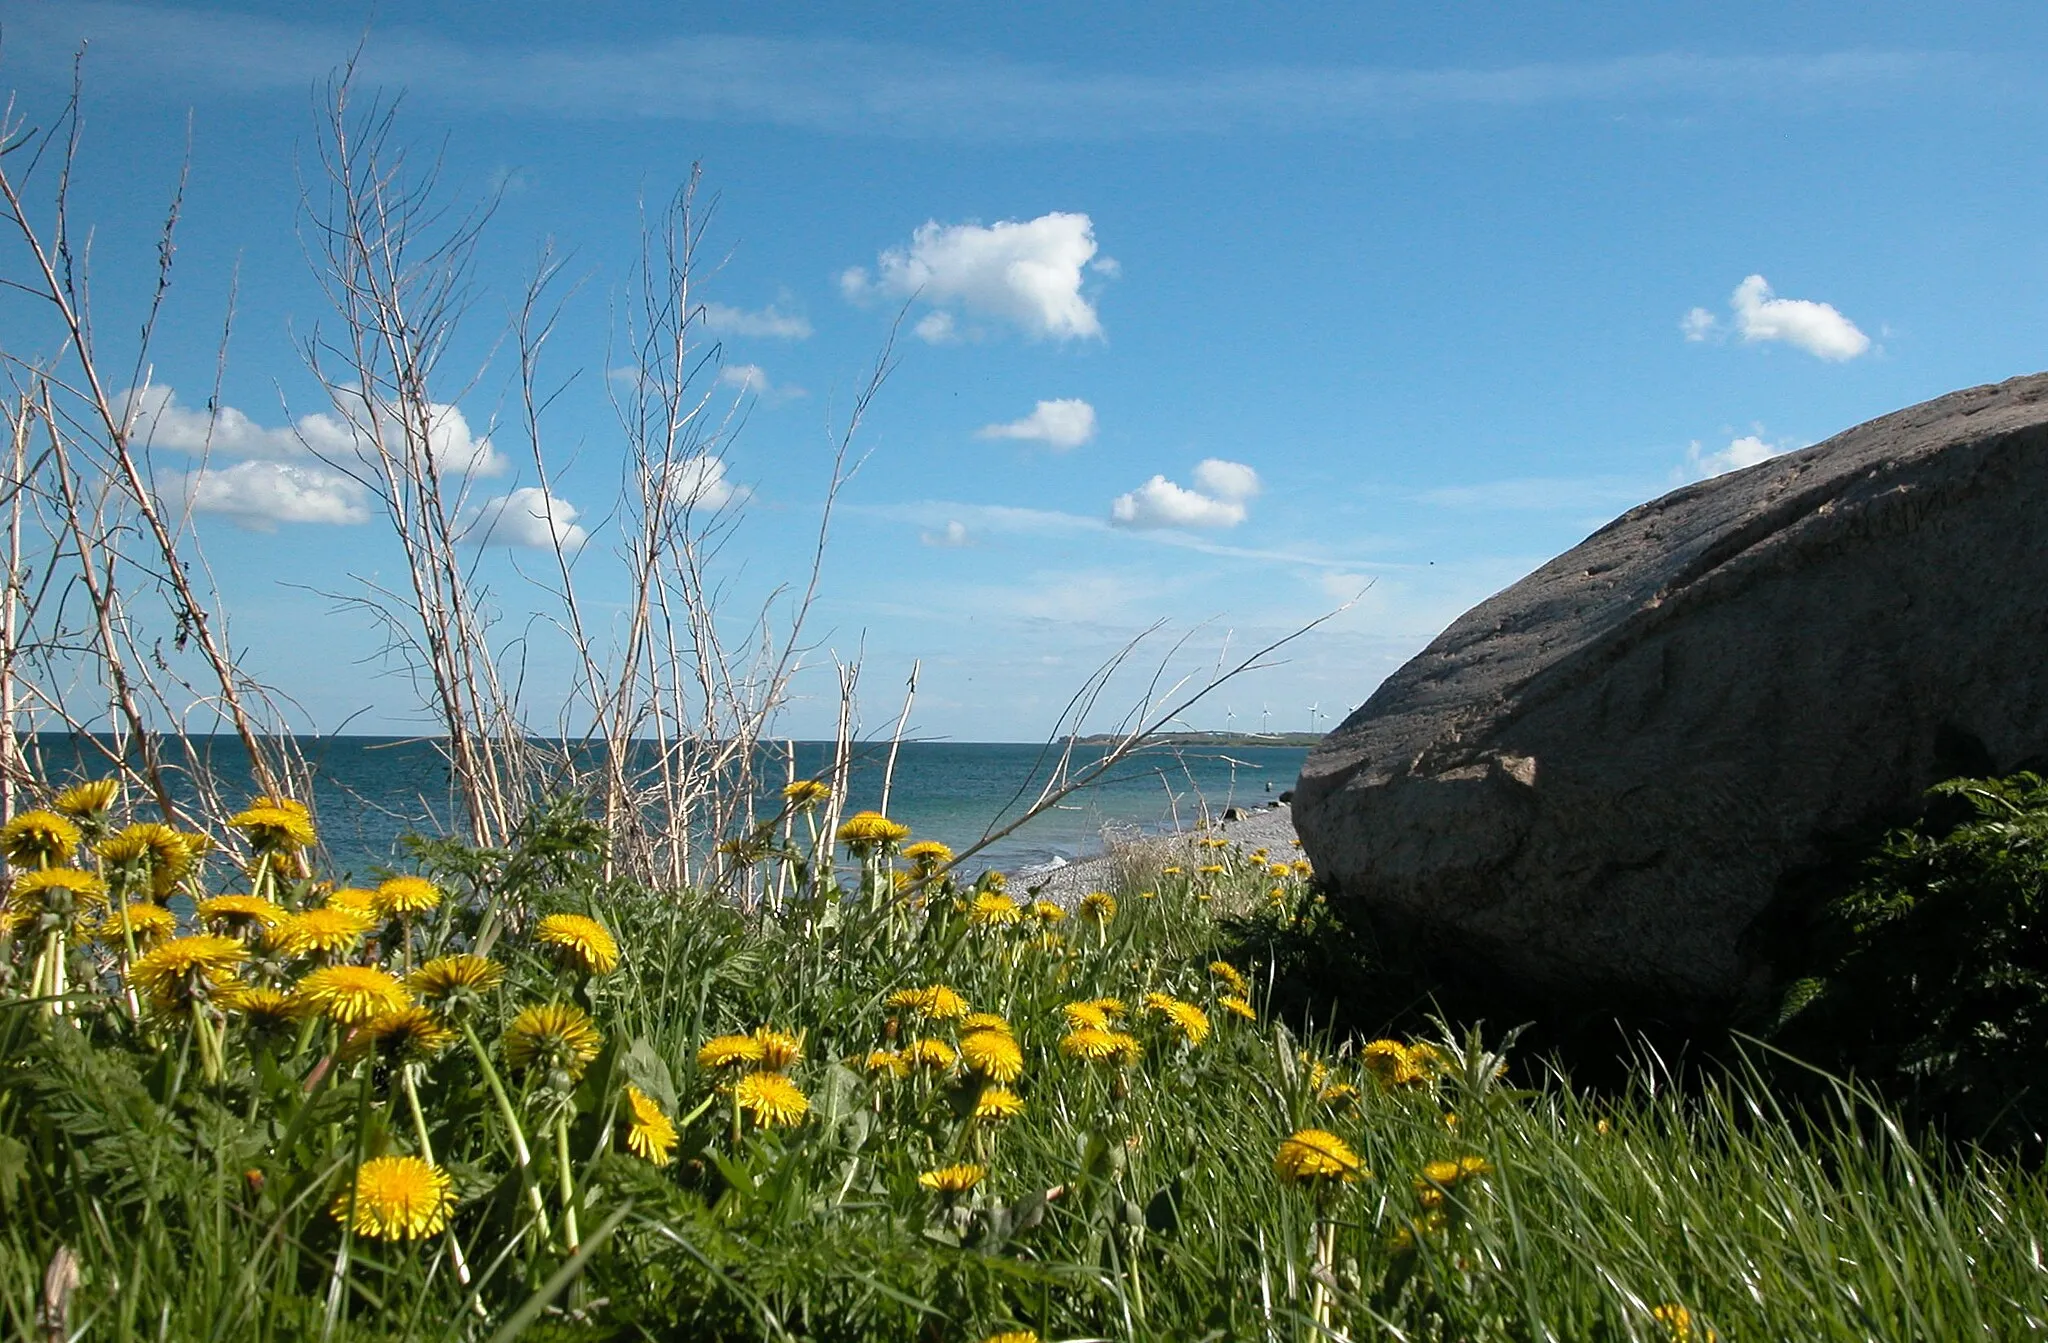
(370, 791)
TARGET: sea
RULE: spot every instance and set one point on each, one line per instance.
(370, 792)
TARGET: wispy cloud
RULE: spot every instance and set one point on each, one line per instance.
(848, 87)
(1541, 494)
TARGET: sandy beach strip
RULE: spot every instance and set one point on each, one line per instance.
(1270, 827)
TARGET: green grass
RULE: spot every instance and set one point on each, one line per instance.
(1123, 1203)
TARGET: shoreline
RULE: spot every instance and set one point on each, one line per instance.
(1270, 826)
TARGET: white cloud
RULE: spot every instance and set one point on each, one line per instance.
(161, 422)
(700, 482)
(1060, 425)
(529, 518)
(1161, 503)
(936, 328)
(258, 495)
(952, 536)
(1024, 272)
(1745, 451)
(769, 321)
(753, 380)
(1698, 324)
(1226, 480)
(1814, 327)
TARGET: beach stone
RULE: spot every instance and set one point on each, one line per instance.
(1603, 784)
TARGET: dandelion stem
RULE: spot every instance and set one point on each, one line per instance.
(520, 1152)
(566, 1173)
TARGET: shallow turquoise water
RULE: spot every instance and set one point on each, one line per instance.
(368, 791)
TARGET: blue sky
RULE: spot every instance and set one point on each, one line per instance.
(1213, 314)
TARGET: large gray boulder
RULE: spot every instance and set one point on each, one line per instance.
(1596, 785)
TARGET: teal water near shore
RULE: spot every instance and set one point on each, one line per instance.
(370, 791)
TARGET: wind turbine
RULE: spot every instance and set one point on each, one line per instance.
(1314, 712)
(1265, 719)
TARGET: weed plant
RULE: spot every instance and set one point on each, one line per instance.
(506, 1096)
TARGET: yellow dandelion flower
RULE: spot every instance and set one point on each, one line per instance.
(263, 1008)
(275, 826)
(36, 837)
(1336, 1093)
(889, 1061)
(63, 891)
(806, 793)
(1237, 1007)
(1211, 869)
(990, 910)
(928, 856)
(86, 799)
(771, 1099)
(1112, 1006)
(1098, 907)
(187, 968)
(1191, 1023)
(1394, 1064)
(450, 980)
(935, 1003)
(779, 1049)
(405, 895)
(1280, 869)
(396, 1198)
(581, 942)
(930, 1053)
(1013, 1336)
(403, 1035)
(1314, 1155)
(996, 1104)
(1212, 842)
(953, 1179)
(993, 1054)
(348, 995)
(152, 851)
(1170, 871)
(144, 922)
(729, 1051)
(354, 898)
(1680, 1327)
(869, 831)
(1089, 1015)
(1302, 867)
(552, 1035)
(650, 1134)
(1045, 911)
(239, 912)
(1095, 1045)
(984, 1021)
(325, 931)
(1230, 975)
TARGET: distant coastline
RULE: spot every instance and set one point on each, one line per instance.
(1304, 739)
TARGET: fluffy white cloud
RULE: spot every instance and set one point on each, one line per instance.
(1066, 423)
(1816, 328)
(1698, 324)
(529, 518)
(1226, 480)
(700, 482)
(161, 422)
(952, 536)
(1024, 272)
(1161, 503)
(258, 495)
(768, 321)
(1745, 451)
